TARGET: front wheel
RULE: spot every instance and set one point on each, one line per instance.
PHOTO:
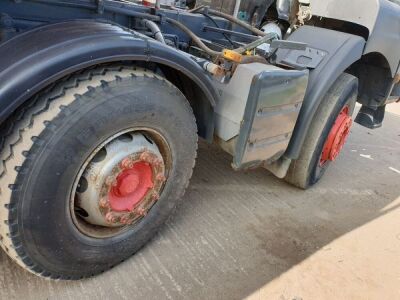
(92, 168)
(327, 135)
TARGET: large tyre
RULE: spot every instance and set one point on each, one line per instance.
(327, 134)
(51, 150)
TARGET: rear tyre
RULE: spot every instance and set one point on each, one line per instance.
(314, 160)
(126, 124)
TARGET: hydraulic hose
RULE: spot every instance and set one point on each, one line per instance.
(253, 59)
(154, 29)
(230, 18)
(196, 9)
(194, 37)
(199, 42)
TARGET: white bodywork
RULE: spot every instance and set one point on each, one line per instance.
(381, 17)
(363, 12)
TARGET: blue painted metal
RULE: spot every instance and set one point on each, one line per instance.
(32, 60)
(29, 14)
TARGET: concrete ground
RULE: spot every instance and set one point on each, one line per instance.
(249, 235)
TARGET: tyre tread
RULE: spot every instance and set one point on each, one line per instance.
(20, 134)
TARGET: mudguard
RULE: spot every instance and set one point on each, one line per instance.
(329, 54)
(34, 59)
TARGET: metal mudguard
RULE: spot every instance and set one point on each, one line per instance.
(334, 52)
(33, 60)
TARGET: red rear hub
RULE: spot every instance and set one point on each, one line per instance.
(337, 136)
(131, 186)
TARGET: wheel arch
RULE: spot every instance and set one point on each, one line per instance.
(37, 58)
(339, 51)
(375, 78)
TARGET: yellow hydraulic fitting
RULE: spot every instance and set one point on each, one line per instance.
(232, 55)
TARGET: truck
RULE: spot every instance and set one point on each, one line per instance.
(102, 103)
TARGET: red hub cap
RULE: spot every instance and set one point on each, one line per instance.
(131, 187)
(337, 136)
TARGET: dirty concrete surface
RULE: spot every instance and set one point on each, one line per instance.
(249, 235)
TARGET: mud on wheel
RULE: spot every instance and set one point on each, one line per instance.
(328, 133)
(120, 182)
(92, 168)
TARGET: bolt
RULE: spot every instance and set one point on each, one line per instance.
(103, 203)
(127, 163)
(161, 177)
(111, 218)
(126, 220)
(141, 212)
(111, 180)
(155, 196)
(158, 162)
(146, 157)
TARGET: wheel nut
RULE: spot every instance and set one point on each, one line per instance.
(111, 218)
(161, 177)
(111, 180)
(158, 162)
(155, 196)
(103, 203)
(126, 220)
(141, 212)
(127, 163)
(146, 157)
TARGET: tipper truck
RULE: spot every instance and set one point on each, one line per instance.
(102, 103)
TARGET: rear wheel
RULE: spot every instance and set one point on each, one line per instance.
(92, 168)
(327, 135)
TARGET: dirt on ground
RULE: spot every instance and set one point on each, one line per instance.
(241, 235)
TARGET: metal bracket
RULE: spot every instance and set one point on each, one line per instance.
(309, 58)
(163, 18)
(283, 44)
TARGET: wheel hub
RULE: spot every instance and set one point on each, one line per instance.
(337, 136)
(132, 184)
(124, 183)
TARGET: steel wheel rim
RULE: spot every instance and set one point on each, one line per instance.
(337, 137)
(98, 231)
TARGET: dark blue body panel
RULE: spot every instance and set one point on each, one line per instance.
(33, 60)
